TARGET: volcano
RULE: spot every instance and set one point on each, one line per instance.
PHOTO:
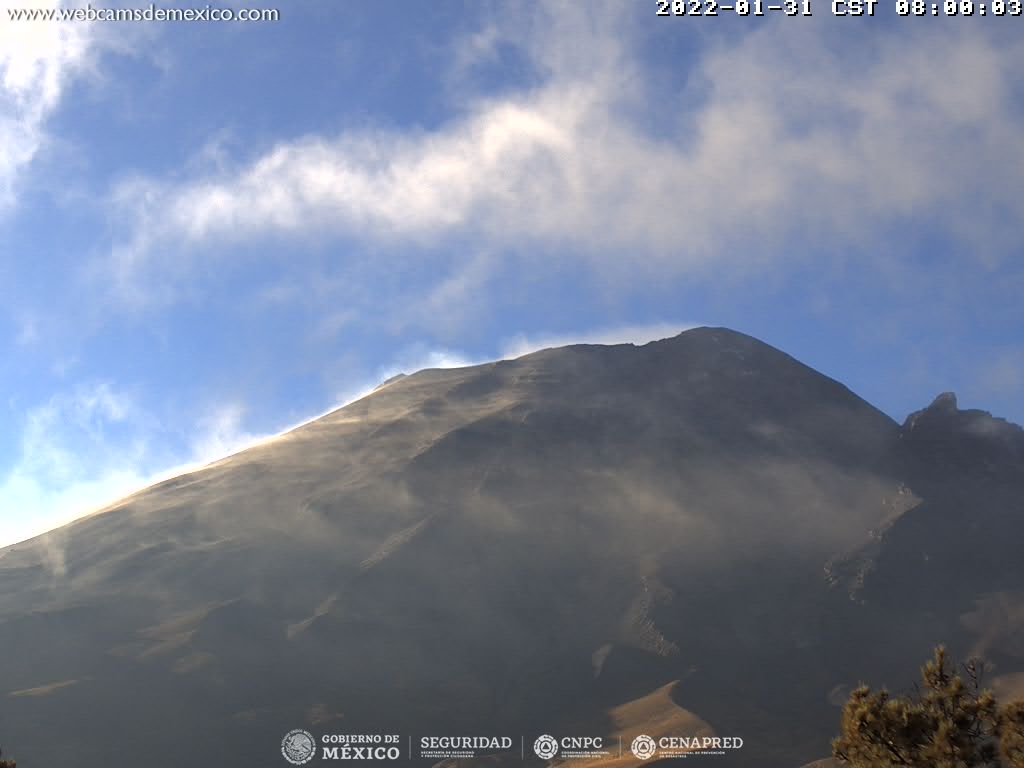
(700, 536)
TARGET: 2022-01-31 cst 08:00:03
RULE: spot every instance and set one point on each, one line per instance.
(839, 7)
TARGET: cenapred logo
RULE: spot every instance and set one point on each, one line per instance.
(545, 747)
(298, 746)
(643, 747)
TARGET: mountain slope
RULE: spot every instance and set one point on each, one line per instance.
(520, 547)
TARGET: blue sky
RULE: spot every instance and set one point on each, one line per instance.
(212, 231)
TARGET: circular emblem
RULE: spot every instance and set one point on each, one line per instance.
(643, 747)
(546, 747)
(298, 746)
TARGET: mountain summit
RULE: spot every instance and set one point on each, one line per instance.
(701, 529)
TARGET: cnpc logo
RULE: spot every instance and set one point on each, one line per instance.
(547, 746)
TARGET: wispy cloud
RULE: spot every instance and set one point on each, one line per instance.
(417, 358)
(772, 157)
(84, 449)
(74, 457)
(37, 58)
(221, 432)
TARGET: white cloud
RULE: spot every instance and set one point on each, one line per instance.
(220, 433)
(36, 60)
(802, 140)
(480, 47)
(69, 463)
(85, 449)
(419, 357)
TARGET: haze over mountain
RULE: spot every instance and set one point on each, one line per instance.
(700, 532)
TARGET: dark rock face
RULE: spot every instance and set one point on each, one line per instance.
(965, 538)
(948, 442)
(521, 547)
